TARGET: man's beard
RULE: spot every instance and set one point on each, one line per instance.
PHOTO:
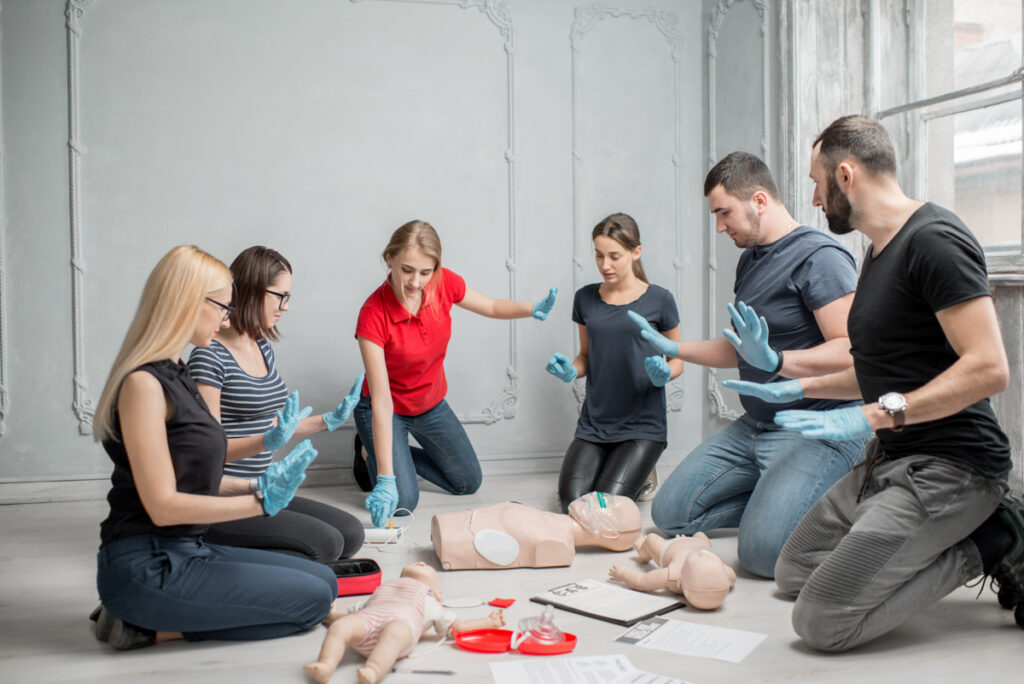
(839, 210)
(753, 238)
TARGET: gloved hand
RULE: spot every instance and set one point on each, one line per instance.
(383, 500)
(751, 337)
(287, 422)
(336, 418)
(657, 370)
(542, 308)
(561, 367)
(771, 392)
(282, 478)
(647, 331)
(842, 424)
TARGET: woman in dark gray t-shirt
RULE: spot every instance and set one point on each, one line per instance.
(622, 428)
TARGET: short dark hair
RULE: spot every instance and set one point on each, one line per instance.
(741, 174)
(859, 137)
(254, 270)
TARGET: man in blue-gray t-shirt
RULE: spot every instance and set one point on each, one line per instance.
(794, 286)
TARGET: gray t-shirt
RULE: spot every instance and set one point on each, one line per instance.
(621, 402)
(786, 281)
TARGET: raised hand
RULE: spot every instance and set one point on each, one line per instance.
(771, 392)
(281, 479)
(842, 424)
(542, 308)
(287, 422)
(659, 341)
(336, 418)
(751, 337)
(561, 367)
(657, 370)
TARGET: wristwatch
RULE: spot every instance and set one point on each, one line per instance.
(254, 489)
(895, 404)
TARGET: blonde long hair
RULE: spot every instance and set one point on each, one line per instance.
(164, 320)
(421, 235)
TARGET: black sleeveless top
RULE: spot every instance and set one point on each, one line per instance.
(198, 448)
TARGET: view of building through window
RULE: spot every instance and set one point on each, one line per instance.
(973, 143)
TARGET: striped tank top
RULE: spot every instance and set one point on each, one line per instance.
(247, 404)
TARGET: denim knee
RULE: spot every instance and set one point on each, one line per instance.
(758, 555)
(667, 516)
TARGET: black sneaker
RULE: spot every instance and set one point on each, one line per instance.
(1008, 573)
(359, 470)
(121, 635)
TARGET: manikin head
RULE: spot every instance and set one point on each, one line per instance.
(848, 143)
(740, 190)
(421, 572)
(608, 520)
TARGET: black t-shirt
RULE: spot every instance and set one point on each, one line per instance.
(621, 402)
(198, 449)
(932, 263)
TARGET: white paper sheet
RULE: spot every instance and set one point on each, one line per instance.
(688, 638)
(612, 669)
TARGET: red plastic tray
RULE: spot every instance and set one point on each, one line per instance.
(500, 640)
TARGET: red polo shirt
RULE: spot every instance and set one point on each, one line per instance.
(414, 345)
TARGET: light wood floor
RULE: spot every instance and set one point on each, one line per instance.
(47, 588)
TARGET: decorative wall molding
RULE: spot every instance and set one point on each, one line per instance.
(718, 406)
(504, 406)
(81, 404)
(585, 19)
(497, 11)
(3, 302)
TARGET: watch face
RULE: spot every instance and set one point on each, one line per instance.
(893, 401)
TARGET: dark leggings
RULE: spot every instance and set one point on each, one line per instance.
(306, 528)
(612, 467)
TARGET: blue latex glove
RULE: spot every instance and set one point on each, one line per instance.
(647, 331)
(281, 479)
(842, 424)
(561, 367)
(336, 418)
(383, 500)
(751, 337)
(542, 308)
(287, 422)
(771, 392)
(657, 370)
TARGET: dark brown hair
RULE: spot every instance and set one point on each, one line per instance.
(859, 137)
(741, 174)
(623, 229)
(254, 270)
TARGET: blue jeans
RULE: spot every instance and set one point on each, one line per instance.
(754, 476)
(205, 591)
(444, 457)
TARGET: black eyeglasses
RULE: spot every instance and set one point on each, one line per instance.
(228, 310)
(285, 297)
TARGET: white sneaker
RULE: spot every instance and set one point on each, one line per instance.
(649, 487)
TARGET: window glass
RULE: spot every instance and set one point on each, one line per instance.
(974, 168)
(969, 42)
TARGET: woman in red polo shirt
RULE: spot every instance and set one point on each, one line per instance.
(403, 332)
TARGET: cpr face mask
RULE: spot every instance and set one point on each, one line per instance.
(591, 511)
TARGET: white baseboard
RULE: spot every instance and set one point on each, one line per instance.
(88, 489)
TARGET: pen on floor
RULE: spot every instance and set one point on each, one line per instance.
(437, 672)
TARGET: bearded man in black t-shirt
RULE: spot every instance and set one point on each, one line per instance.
(928, 509)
